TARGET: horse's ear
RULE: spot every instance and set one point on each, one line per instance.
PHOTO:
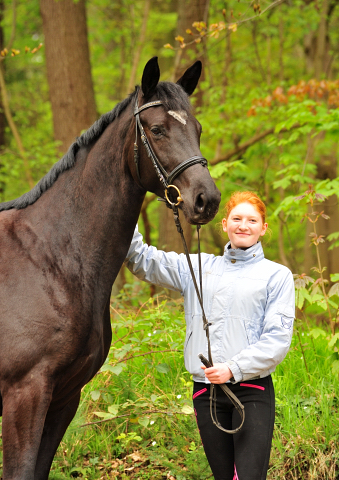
(150, 77)
(190, 78)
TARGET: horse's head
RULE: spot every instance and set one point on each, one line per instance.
(167, 147)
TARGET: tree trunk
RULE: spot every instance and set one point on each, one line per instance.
(68, 68)
(141, 42)
(188, 13)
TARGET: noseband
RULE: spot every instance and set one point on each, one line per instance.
(165, 178)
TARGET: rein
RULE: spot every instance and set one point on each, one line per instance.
(208, 362)
(166, 180)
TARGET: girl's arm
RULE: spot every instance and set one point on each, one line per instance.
(166, 269)
(275, 340)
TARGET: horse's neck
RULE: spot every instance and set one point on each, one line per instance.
(91, 210)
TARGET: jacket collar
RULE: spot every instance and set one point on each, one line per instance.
(237, 255)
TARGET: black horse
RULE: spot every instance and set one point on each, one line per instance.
(61, 247)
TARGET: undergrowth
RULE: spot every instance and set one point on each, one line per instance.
(136, 420)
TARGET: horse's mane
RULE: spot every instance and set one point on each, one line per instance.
(173, 98)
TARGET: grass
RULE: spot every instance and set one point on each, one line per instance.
(136, 421)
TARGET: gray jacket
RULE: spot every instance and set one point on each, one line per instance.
(248, 299)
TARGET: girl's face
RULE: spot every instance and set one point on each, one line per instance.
(244, 226)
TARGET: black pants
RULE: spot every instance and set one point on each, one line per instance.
(244, 455)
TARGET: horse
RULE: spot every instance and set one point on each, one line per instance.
(62, 245)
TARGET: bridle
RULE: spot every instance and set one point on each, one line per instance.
(166, 180)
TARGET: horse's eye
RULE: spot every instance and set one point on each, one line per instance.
(156, 131)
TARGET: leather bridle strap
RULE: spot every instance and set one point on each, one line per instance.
(208, 363)
(165, 178)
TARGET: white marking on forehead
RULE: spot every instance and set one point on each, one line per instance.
(179, 116)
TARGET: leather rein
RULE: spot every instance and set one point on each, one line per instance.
(166, 180)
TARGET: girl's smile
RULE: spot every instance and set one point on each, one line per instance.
(244, 226)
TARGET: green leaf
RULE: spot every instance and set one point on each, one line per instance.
(78, 469)
(144, 421)
(300, 296)
(334, 342)
(335, 367)
(322, 304)
(332, 303)
(334, 277)
(317, 332)
(113, 409)
(154, 398)
(116, 369)
(187, 409)
(104, 415)
(95, 394)
(163, 368)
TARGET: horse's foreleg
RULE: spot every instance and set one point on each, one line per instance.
(55, 426)
(25, 405)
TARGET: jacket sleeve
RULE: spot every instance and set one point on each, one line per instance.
(274, 342)
(166, 269)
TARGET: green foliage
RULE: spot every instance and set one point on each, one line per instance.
(149, 429)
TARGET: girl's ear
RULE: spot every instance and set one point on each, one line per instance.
(264, 228)
(224, 224)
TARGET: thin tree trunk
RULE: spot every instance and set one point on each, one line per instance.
(141, 42)
(68, 68)
(281, 45)
(269, 53)
(321, 42)
(228, 61)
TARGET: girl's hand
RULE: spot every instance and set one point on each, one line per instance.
(219, 373)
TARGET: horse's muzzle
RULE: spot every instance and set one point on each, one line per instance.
(206, 206)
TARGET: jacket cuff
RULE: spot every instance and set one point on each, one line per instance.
(237, 375)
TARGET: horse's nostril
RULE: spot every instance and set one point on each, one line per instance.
(200, 203)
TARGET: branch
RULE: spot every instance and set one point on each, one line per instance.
(149, 412)
(240, 149)
(229, 27)
(143, 354)
(148, 200)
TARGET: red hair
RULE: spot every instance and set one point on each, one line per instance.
(246, 197)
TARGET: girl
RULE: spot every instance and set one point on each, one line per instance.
(249, 302)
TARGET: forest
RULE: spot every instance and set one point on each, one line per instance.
(268, 103)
